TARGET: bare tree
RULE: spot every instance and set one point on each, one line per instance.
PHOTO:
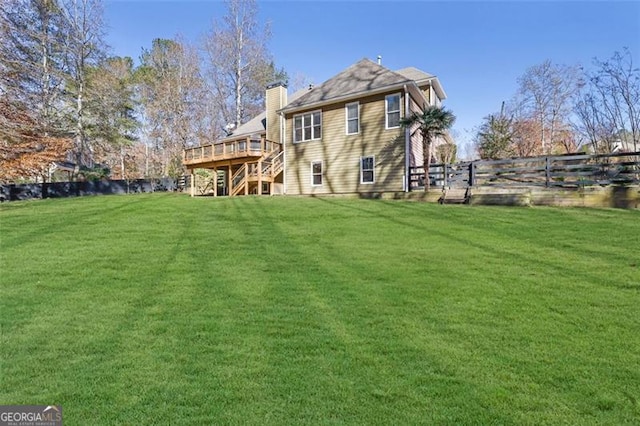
(172, 94)
(32, 76)
(300, 81)
(593, 123)
(608, 109)
(84, 47)
(238, 64)
(545, 94)
(33, 70)
(525, 133)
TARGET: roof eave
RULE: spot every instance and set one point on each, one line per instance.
(435, 83)
(438, 88)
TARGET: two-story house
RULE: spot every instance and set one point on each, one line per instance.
(341, 137)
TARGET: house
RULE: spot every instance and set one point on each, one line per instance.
(619, 144)
(341, 137)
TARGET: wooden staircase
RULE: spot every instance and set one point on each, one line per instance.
(265, 170)
(456, 189)
(455, 196)
(239, 181)
(273, 165)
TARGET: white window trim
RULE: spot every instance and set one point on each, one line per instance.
(346, 118)
(386, 110)
(373, 170)
(321, 173)
(293, 125)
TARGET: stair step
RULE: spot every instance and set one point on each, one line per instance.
(455, 200)
(455, 196)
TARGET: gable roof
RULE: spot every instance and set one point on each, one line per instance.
(258, 124)
(361, 77)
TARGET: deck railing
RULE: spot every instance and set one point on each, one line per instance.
(241, 148)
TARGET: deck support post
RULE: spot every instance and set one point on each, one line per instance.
(193, 183)
(246, 179)
(215, 182)
(259, 177)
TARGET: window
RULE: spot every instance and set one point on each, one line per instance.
(352, 112)
(316, 173)
(307, 127)
(392, 108)
(367, 165)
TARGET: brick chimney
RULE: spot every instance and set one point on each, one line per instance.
(275, 99)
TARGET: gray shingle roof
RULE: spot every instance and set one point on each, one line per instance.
(363, 76)
(414, 74)
(257, 124)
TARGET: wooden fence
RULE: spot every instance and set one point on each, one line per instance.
(28, 191)
(564, 171)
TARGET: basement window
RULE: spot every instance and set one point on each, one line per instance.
(316, 173)
(367, 169)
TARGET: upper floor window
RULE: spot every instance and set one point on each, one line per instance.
(392, 109)
(307, 127)
(367, 172)
(352, 112)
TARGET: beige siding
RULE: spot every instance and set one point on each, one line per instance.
(416, 156)
(426, 91)
(340, 153)
(276, 98)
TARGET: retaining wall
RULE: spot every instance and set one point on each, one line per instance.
(627, 197)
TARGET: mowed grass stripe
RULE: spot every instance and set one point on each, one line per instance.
(161, 308)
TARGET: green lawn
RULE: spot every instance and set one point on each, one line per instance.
(162, 309)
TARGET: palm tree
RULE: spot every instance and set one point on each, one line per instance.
(431, 122)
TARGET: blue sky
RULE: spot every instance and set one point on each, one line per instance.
(476, 48)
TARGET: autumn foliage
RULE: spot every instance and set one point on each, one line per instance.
(26, 152)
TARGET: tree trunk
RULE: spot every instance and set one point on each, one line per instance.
(80, 142)
(122, 162)
(426, 157)
(239, 38)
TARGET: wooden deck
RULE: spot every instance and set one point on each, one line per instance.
(248, 149)
(247, 164)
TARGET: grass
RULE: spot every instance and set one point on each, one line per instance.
(161, 309)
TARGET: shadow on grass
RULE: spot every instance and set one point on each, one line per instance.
(382, 357)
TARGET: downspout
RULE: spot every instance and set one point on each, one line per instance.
(407, 145)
